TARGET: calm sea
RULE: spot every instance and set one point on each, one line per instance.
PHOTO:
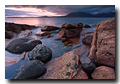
(57, 47)
(53, 21)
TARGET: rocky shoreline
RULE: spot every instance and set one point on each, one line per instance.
(11, 29)
(91, 58)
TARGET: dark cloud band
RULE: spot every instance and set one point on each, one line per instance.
(65, 9)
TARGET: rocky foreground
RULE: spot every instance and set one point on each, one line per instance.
(91, 58)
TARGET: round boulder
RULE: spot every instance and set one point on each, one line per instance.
(22, 44)
(40, 52)
(30, 70)
(103, 72)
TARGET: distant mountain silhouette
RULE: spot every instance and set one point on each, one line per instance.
(83, 14)
(76, 14)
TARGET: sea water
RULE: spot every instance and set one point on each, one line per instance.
(57, 47)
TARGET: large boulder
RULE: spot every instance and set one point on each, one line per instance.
(70, 30)
(20, 45)
(40, 52)
(49, 28)
(103, 72)
(102, 50)
(67, 66)
(30, 70)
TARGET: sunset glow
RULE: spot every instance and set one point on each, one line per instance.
(31, 12)
(54, 10)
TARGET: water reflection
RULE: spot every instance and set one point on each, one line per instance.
(11, 60)
(71, 41)
(31, 21)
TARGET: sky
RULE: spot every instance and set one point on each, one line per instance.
(54, 10)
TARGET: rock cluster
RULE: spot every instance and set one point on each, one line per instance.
(11, 28)
(70, 30)
(34, 68)
(102, 52)
(76, 64)
(65, 67)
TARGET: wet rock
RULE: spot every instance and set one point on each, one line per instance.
(87, 26)
(49, 28)
(87, 40)
(48, 36)
(103, 72)
(20, 45)
(7, 41)
(57, 39)
(70, 30)
(102, 50)
(30, 70)
(23, 55)
(43, 34)
(15, 28)
(62, 39)
(58, 68)
(40, 52)
(9, 34)
(25, 33)
(87, 64)
(64, 67)
(89, 32)
(94, 25)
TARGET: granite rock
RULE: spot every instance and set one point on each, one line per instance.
(70, 30)
(103, 72)
(102, 50)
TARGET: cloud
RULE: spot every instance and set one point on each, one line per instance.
(24, 12)
(65, 9)
(9, 12)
